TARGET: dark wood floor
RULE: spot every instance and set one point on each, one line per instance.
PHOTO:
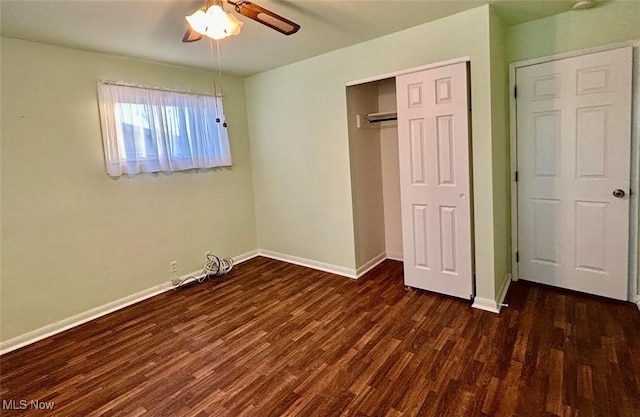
(276, 339)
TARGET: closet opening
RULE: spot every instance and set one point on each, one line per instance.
(410, 162)
(375, 172)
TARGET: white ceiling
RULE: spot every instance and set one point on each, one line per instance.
(153, 29)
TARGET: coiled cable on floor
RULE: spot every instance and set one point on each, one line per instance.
(217, 266)
(214, 266)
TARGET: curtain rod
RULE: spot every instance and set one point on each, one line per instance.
(146, 87)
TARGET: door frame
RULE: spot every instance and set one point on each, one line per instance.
(394, 74)
(634, 231)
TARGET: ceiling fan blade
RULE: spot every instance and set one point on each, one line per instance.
(191, 36)
(266, 17)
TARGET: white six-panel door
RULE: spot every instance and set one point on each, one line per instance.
(573, 130)
(433, 144)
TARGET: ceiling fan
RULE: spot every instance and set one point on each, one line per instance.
(213, 21)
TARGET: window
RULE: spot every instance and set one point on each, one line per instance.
(151, 130)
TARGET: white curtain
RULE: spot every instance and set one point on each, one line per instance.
(150, 130)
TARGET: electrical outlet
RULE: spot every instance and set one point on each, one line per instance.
(173, 266)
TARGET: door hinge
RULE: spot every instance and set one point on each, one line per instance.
(515, 91)
(516, 176)
(518, 256)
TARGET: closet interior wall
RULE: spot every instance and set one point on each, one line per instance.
(390, 172)
(375, 177)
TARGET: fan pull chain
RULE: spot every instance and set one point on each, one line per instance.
(215, 87)
(224, 123)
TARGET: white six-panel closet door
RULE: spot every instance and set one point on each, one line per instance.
(433, 143)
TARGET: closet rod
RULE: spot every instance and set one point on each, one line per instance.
(387, 119)
(382, 117)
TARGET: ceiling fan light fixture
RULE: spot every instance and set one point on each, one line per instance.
(234, 24)
(215, 23)
(198, 21)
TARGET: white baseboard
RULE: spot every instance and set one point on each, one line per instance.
(245, 257)
(485, 304)
(504, 290)
(73, 321)
(309, 263)
(58, 327)
(395, 256)
(493, 306)
(371, 264)
(78, 319)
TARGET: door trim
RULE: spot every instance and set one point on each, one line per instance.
(395, 74)
(634, 229)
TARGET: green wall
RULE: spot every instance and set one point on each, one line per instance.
(74, 239)
(609, 22)
(500, 152)
(300, 148)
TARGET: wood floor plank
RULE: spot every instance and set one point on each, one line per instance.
(275, 339)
